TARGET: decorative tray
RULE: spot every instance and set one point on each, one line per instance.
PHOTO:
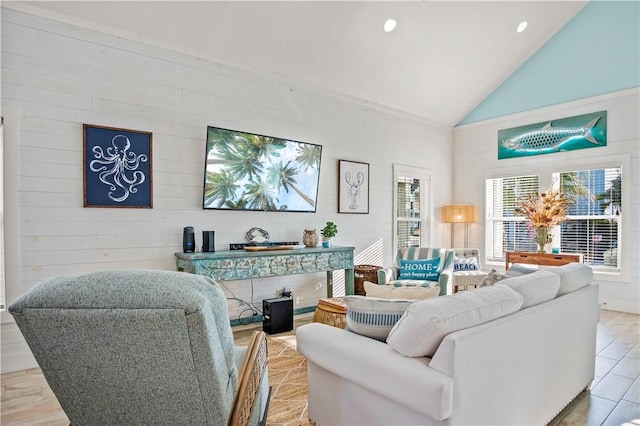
(268, 248)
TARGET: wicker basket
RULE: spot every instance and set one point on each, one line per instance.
(364, 273)
(332, 312)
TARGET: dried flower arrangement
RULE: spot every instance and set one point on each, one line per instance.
(542, 211)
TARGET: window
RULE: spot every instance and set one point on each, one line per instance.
(593, 227)
(411, 188)
(505, 230)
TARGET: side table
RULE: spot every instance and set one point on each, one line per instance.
(332, 312)
(544, 259)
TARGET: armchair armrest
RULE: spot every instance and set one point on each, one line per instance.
(386, 275)
(446, 275)
(446, 281)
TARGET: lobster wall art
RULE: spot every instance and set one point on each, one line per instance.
(353, 193)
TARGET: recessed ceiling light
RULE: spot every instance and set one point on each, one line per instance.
(522, 26)
(390, 25)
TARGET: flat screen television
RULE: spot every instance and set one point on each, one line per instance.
(247, 171)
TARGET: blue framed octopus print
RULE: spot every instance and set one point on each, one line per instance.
(117, 167)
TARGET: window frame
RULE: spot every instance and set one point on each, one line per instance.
(424, 175)
(595, 217)
(13, 285)
(3, 296)
(545, 171)
(493, 218)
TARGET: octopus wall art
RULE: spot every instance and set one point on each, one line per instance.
(117, 167)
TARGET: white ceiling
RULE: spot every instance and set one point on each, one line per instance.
(443, 59)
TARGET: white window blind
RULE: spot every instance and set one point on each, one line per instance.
(505, 230)
(411, 207)
(595, 216)
(593, 228)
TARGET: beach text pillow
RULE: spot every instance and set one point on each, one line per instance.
(466, 264)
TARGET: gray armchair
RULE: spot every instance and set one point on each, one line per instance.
(137, 347)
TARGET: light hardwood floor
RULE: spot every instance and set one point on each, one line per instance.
(613, 399)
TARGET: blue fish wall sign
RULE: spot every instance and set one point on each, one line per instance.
(566, 134)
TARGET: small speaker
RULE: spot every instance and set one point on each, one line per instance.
(278, 315)
(188, 240)
(208, 241)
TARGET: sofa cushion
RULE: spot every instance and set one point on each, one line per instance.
(422, 269)
(573, 276)
(466, 264)
(538, 287)
(373, 317)
(392, 292)
(426, 322)
(518, 269)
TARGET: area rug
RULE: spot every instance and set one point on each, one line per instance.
(288, 379)
(28, 400)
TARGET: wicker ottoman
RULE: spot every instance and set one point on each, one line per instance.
(332, 312)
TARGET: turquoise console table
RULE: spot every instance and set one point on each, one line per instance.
(242, 265)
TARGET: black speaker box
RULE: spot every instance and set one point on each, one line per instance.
(188, 240)
(278, 315)
(208, 241)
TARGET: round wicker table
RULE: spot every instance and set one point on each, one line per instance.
(332, 312)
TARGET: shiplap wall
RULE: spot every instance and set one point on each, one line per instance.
(475, 159)
(56, 76)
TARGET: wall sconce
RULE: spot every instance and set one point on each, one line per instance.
(459, 214)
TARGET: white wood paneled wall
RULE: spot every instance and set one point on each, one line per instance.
(475, 159)
(57, 76)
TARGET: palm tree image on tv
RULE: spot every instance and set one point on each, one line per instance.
(245, 171)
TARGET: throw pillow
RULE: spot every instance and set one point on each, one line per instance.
(426, 322)
(373, 317)
(492, 278)
(573, 276)
(466, 264)
(392, 292)
(539, 287)
(423, 269)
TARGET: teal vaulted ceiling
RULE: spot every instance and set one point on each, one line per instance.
(597, 52)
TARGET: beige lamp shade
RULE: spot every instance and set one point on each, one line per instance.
(459, 214)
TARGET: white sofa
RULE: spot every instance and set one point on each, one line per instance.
(522, 368)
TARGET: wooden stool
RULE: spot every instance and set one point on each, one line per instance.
(332, 312)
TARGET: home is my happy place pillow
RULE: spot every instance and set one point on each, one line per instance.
(422, 269)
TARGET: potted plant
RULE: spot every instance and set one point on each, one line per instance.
(328, 232)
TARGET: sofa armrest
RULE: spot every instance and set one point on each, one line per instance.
(375, 366)
(386, 275)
